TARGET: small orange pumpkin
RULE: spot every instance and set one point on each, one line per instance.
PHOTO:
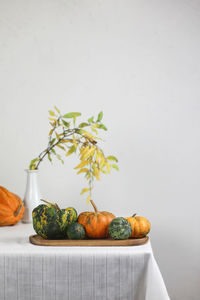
(140, 226)
(11, 207)
(96, 223)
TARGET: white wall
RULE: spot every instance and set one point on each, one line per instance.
(139, 62)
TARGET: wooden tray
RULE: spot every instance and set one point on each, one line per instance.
(38, 240)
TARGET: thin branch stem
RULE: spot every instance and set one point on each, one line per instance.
(66, 133)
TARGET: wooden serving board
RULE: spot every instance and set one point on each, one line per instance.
(38, 240)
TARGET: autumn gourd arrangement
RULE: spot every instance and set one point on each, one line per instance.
(51, 222)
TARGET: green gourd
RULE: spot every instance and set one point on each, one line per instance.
(120, 229)
(75, 231)
(50, 222)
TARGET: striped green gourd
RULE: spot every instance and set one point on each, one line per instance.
(120, 229)
(50, 222)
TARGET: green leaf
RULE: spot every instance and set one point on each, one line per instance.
(57, 135)
(59, 157)
(100, 116)
(32, 165)
(80, 131)
(91, 120)
(101, 126)
(34, 160)
(52, 141)
(72, 115)
(71, 150)
(103, 171)
(53, 151)
(113, 158)
(49, 157)
(51, 131)
(61, 147)
(83, 125)
(67, 124)
(115, 167)
(74, 121)
(93, 129)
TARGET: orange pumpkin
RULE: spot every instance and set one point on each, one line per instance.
(11, 207)
(140, 226)
(95, 223)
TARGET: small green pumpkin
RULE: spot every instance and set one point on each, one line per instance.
(50, 222)
(75, 231)
(120, 229)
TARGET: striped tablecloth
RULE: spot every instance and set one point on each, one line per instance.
(29, 272)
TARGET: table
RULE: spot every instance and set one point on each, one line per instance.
(29, 272)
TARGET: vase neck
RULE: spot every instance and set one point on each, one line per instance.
(32, 177)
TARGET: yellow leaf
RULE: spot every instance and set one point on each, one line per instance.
(74, 141)
(84, 150)
(96, 173)
(88, 135)
(102, 162)
(90, 153)
(90, 159)
(97, 159)
(83, 170)
(81, 165)
(51, 112)
(88, 199)
(51, 131)
(98, 138)
(108, 166)
(67, 141)
(84, 153)
(84, 190)
(100, 153)
(52, 119)
(57, 109)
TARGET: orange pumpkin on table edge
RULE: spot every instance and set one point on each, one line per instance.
(11, 207)
(96, 223)
(140, 226)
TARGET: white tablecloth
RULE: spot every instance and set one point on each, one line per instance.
(29, 272)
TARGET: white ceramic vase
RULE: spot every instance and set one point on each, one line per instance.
(32, 195)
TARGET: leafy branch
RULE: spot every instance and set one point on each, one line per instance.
(66, 136)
